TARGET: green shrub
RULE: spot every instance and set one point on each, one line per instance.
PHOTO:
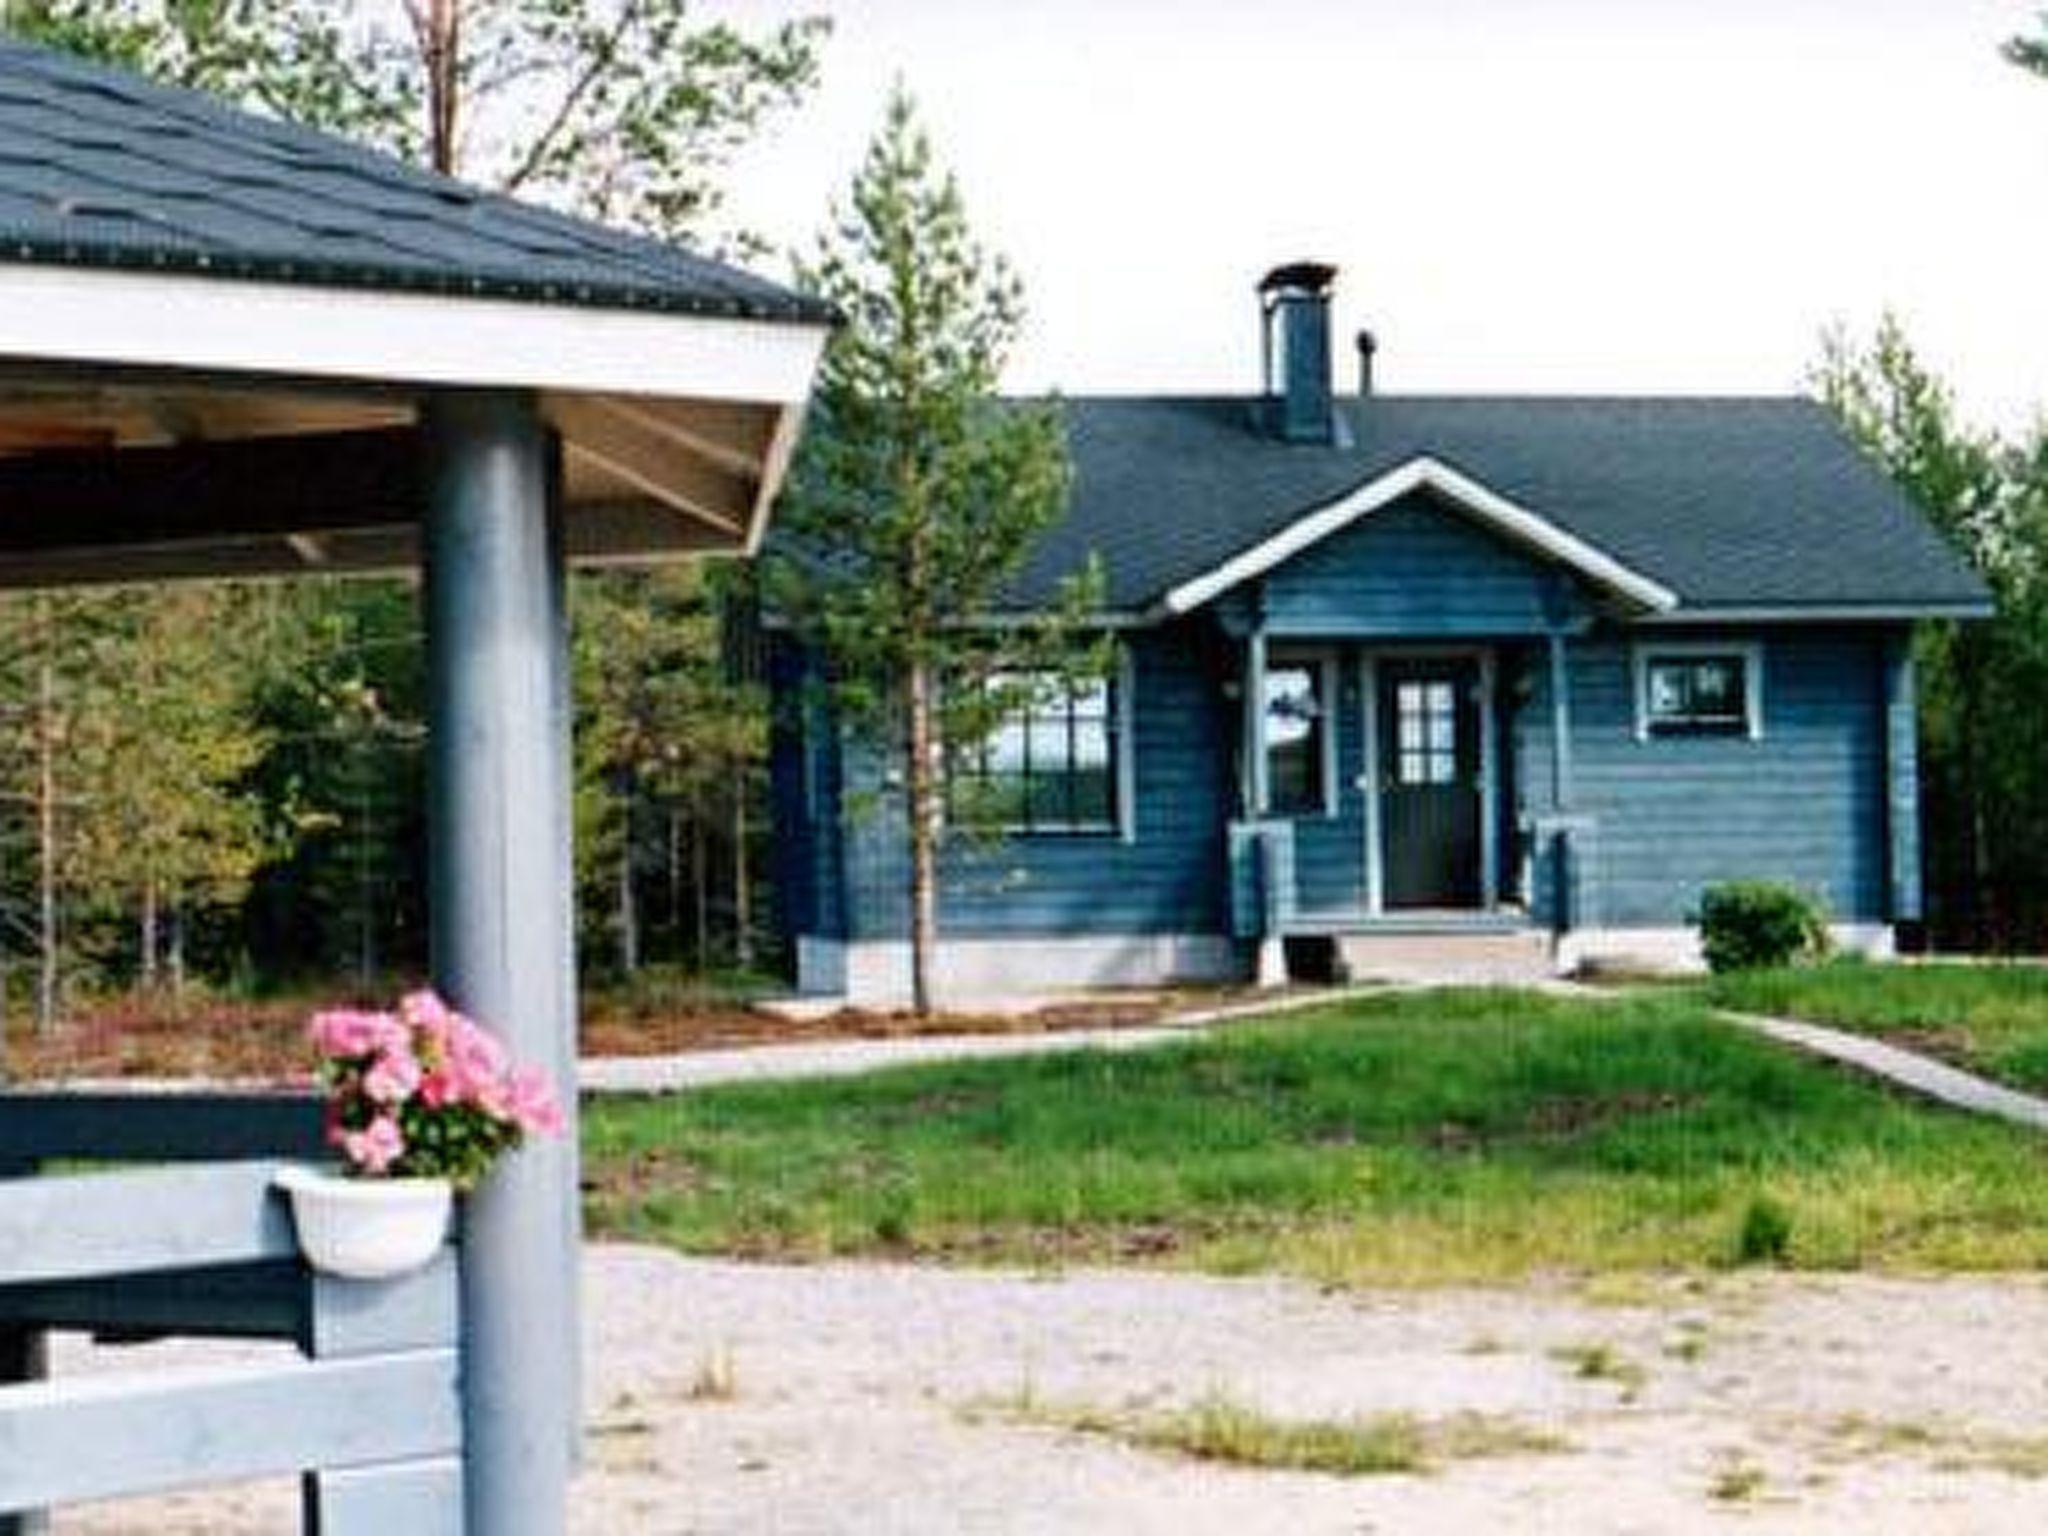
(1750, 925)
(1766, 1233)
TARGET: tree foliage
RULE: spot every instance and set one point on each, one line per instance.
(2030, 53)
(625, 110)
(1984, 735)
(918, 494)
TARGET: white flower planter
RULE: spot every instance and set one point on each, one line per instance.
(366, 1229)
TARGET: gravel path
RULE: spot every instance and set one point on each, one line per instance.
(1744, 1403)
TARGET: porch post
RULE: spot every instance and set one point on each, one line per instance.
(1489, 781)
(1564, 847)
(500, 924)
(1902, 781)
(1256, 796)
(1270, 965)
(1560, 723)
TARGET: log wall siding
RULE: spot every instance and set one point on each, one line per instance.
(1806, 804)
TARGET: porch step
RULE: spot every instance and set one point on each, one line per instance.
(1479, 957)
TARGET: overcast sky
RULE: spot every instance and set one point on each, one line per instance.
(1523, 195)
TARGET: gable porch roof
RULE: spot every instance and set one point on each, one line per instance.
(1517, 524)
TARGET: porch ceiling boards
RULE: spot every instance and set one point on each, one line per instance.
(181, 285)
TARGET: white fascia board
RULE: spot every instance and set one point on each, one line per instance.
(173, 320)
(1845, 613)
(1514, 522)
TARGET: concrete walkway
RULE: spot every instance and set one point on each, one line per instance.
(1908, 1069)
(849, 1058)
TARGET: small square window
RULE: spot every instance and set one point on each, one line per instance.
(1698, 693)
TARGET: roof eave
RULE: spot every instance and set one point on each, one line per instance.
(1825, 613)
(237, 326)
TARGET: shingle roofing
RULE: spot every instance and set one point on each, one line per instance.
(101, 168)
(1731, 503)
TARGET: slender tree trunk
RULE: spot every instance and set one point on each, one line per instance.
(742, 876)
(437, 32)
(366, 914)
(177, 952)
(675, 875)
(700, 877)
(46, 836)
(628, 913)
(145, 937)
(924, 904)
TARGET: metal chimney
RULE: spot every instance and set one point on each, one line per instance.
(1294, 315)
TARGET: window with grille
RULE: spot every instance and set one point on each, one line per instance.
(1049, 766)
(1426, 733)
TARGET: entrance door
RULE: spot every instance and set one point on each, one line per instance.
(1430, 782)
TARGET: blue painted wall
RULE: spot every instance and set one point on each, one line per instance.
(1167, 878)
(804, 795)
(1806, 804)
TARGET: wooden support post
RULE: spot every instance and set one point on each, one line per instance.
(1902, 780)
(24, 1356)
(1560, 723)
(501, 926)
(1565, 854)
(421, 1496)
(1255, 790)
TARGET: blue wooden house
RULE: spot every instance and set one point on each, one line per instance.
(1440, 680)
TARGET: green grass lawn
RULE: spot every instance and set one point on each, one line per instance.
(1422, 1138)
(1990, 1018)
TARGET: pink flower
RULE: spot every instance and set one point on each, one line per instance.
(532, 1103)
(393, 1037)
(349, 1032)
(376, 1147)
(474, 1053)
(428, 1061)
(393, 1076)
(427, 1015)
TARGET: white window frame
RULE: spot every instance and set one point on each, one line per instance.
(1648, 652)
(1323, 658)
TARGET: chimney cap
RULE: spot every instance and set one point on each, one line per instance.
(1313, 276)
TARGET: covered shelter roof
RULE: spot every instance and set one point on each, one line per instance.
(217, 332)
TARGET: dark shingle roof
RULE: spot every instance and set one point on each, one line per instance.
(1731, 503)
(101, 168)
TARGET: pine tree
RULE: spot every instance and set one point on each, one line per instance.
(1984, 738)
(918, 494)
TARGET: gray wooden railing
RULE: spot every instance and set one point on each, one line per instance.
(1262, 881)
(368, 1413)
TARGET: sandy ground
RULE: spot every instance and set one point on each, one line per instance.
(849, 1385)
